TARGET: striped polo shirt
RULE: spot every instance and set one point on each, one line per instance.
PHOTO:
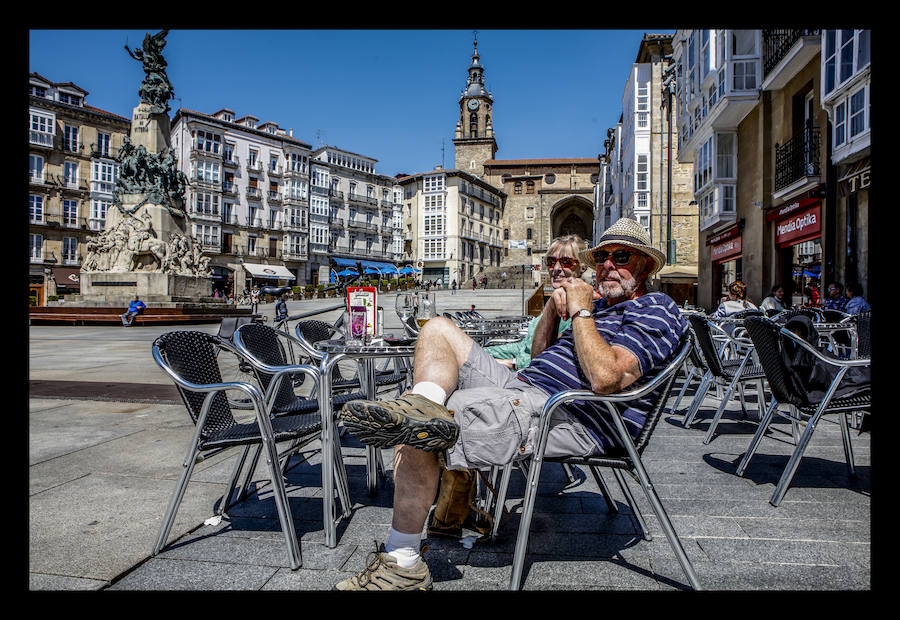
(650, 326)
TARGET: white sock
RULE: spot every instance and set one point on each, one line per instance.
(431, 391)
(404, 547)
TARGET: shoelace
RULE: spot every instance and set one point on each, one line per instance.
(373, 561)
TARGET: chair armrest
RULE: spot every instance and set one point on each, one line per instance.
(828, 360)
(277, 371)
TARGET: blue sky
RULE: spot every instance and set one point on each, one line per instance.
(387, 94)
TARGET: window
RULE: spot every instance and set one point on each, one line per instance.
(36, 247)
(99, 207)
(69, 250)
(273, 163)
(434, 183)
(70, 138)
(528, 233)
(36, 209)
(251, 245)
(207, 141)
(704, 54)
(727, 199)
(744, 75)
(207, 204)
(70, 174)
(725, 155)
(529, 187)
(228, 152)
(70, 212)
(642, 200)
(70, 99)
(251, 160)
(103, 176)
(207, 171)
(840, 123)
(743, 43)
(42, 128)
(846, 56)
(318, 234)
(862, 49)
(517, 187)
(36, 168)
(643, 172)
(858, 112)
(297, 162)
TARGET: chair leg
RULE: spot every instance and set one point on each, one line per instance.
(848, 448)
(623, 484)
(604, 490)
(570, 475)
(698, 400)
(720, 410)
(531, 486)
(788, 474)
(500, 500)
(281, 503)
(226, 499)
(754, 443)
(175, 501)
(687, 381)
(248, 473)
(343, 486)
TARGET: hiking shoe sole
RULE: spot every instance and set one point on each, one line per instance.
(374, 424)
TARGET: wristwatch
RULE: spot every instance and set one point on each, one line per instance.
(584, 313)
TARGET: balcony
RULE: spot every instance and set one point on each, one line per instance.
(230, 219)
(202, 183)
(229, 189)
(318, 248)
(336, 223)
(293, 200)
(40, 138)
(785, 53)
(294, 226)
(319, 190)
(294, 254)
(232, 162)
(276, 171)
(212, 215)
(103, 151)
(274, 197)
(362, 200)
(797, 165)
(294, 173)
(336, 193)
(254, 166)
(254, 193)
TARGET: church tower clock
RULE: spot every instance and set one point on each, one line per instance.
(474, 138)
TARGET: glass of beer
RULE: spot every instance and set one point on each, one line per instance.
(427, 309)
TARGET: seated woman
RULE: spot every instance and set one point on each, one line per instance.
(562, 262)
(735, 301)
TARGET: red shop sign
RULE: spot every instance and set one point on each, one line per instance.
(801, 225)
(725, 250)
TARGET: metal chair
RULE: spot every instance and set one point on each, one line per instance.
(731, 373)
(189, 358)
(769, 339)
(628, 459)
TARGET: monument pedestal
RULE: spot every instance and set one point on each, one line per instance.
(104, 288)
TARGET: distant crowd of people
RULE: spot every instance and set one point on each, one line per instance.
(849, 300)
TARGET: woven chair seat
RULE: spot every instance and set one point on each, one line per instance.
(750, 371)
(850, 403)
(306, 405)
(381, 378)
(284, 428)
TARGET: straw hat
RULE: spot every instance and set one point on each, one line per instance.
(629, 233)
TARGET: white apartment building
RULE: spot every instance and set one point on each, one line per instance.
(718, 81)
(247, 197)
(451, 224)
(635, 145)
(354, 213)
(608, 190)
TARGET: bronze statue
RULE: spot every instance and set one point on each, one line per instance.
(156, 89)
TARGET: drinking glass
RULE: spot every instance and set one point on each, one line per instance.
(405, 306)
(427, 308)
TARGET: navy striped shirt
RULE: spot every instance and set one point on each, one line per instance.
(650, 326)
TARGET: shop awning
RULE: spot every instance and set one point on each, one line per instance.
(67, 277)
(344, 262)
(271, 272)
(383, 268)
(677, 272)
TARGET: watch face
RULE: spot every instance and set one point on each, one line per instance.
(473, 104)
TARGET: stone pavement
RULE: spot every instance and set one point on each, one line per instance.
(101, 472)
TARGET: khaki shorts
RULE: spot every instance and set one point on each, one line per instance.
(498, 416)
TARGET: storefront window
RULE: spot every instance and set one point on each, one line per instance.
(806, 270)
(729, 271)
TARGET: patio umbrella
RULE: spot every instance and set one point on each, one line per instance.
(371, 270)
(408, 270)
(348, 272)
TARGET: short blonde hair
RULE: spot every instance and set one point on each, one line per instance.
(575, 243)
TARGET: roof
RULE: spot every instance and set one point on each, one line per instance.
(453, 172)
(242, 126)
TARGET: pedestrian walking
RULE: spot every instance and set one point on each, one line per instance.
(254, 299)
(453, 287)
(474, 285)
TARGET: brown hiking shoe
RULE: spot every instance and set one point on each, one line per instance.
(383, 573)
(411, 420)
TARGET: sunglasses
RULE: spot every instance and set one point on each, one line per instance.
(567, 262)
(619, 257)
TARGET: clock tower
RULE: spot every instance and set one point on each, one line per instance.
(474, 138)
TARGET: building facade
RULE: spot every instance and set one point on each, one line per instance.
(451, 224)
(247, 197)
(72, 148)
(762, 142)
(362, 207)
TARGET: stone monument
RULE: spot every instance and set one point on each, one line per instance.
(146, 247)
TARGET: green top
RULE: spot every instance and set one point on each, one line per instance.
(521, 349)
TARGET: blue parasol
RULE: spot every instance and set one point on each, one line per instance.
(347, 272)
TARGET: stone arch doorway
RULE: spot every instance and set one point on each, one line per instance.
(573, 215)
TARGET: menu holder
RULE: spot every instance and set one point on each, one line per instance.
(366, 296)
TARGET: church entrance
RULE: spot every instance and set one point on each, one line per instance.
(572, 216)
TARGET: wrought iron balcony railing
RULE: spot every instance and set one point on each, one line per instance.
(777, 43)
(798, 157)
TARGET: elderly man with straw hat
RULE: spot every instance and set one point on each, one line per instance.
(467, 411)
